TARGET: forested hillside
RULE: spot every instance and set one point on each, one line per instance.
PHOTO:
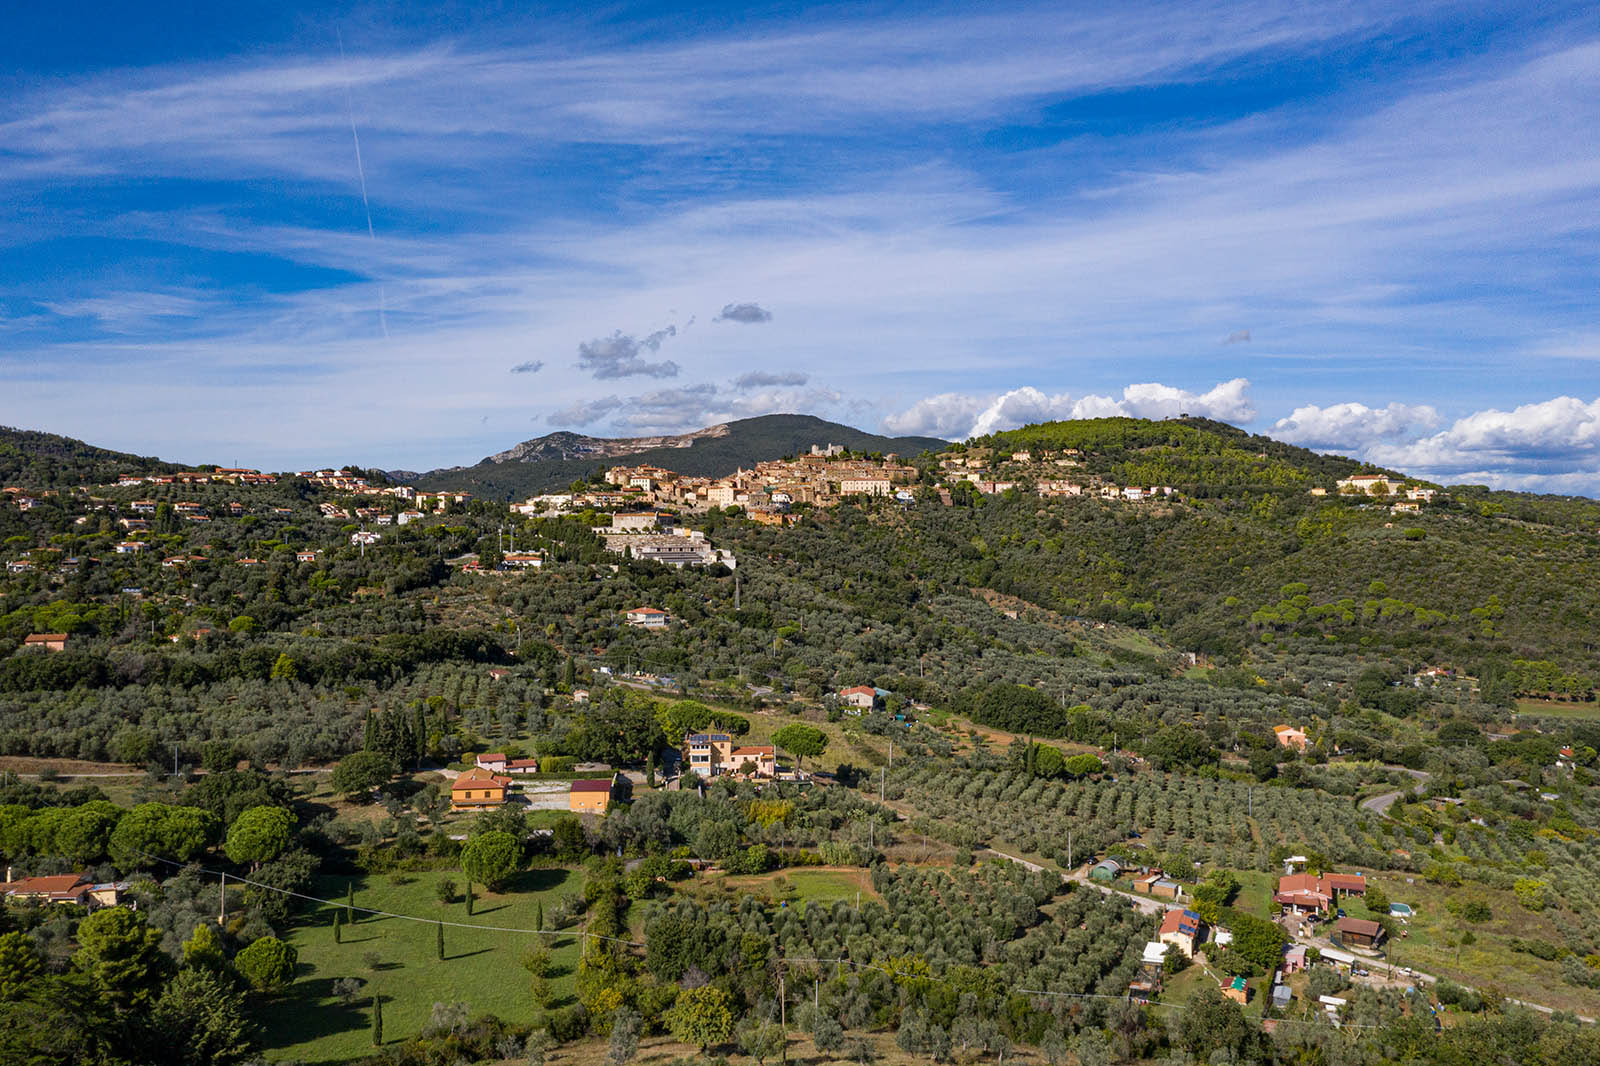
(35, 460)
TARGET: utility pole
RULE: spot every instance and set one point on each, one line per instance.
(736, 590)
(222, 910)
(883, 772)
(174, 760)
(1070, 866)
(783, 1012)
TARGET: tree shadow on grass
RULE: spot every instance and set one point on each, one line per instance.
(540, 879)
(478, 910)
(465, 954)
(309, 1011)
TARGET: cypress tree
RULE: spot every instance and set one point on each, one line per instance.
(440, 927)
(538, 917)
(350, 902)
(368, 735)
(338, 926)
(469, 897)
(377, 1020)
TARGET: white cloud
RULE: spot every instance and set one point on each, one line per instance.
(958, 416)
(1352, 427)
(1550, 437)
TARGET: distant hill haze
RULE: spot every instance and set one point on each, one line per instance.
(557, 459)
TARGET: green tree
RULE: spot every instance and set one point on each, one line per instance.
(802, 741)
(623, 1043)
(439, 928)
(759, 1039)
(700, 1017)
(155, 830)
(285, 669)
(20, 965)
(267, 964)
(202, 1021)
(1210, 1022)
(122, 955)
(203, 949)
(491, 859)
(1530, 892)
(360, 772)
(259, 835)
(1376, 899)
(84, 834)
(1256, 940)
(1084, 765)
(377, 1020)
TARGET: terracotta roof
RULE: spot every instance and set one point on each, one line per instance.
(1180, 921)
(477, 777)
(754, 749)
(1295, 883)
(1345, 882)
(44, 638)
(53, 885)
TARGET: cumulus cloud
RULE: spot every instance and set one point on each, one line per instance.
(585, 412)
(532, 366)
(748, 314)
(762, 379)
(946, 415)
(621, 356)
(1353, 427)
(1238, 336)
(1558, 436)
(957, 415)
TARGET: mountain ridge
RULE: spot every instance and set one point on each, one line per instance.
(557, 459)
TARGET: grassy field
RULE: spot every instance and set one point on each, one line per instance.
(1557, 709)
(1431, 943)
(825, 885)
(398, 959)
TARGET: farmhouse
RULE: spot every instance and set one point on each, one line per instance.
(477, 788)
(648, 618)
(1159, 885)
(47, 641)
(862, 697)
(1181, 929)
(591, 796)
(1290, 737)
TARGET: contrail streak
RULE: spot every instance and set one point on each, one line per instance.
(361, 172)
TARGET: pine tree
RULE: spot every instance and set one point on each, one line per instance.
(338, 927)
(440, 927)
(377, 1020)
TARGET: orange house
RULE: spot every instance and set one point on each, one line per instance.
(591, 796)
(47, 641)
(477, 787)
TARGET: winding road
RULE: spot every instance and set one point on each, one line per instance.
(1381, 803)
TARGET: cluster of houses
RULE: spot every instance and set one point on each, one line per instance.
(767, 492)
(492, 775)
(1316, 895)
(1044, 472)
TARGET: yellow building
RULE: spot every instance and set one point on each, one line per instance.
(476, 788)
(591, 796)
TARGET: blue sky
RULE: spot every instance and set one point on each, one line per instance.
(1369, 228)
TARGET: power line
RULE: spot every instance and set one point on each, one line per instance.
(342, 905)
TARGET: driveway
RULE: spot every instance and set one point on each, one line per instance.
(1381, 803)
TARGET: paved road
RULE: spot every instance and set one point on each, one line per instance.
(1381, 803)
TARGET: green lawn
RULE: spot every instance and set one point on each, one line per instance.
(801, 885)
(1557, 709)
(481, 967)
